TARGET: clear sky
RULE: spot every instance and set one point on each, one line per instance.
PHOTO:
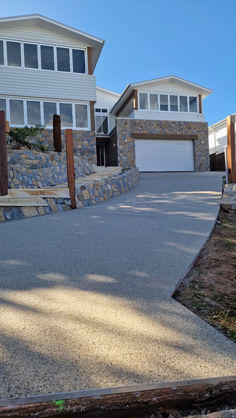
(145, 39)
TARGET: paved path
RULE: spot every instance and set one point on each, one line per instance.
(85, 295)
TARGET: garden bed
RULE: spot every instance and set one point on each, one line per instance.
(209, 288)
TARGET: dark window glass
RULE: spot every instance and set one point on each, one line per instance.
(49, 109)
(163, 102)
(66, 114)
(81, 116)
(33, 113)
(101, 124)
(13, 54)
(153, 101)
(78, 61)
(183, 103)
(97, 110)
(3, 104)
(192, 104)
(31, 56)
(1, 53)
(63, 59)
(104, 110)
(47, 57)
(16, 112)
(143, 100)
(174, 103)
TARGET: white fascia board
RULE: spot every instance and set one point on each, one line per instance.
(108, 91)
(219, 123)
(122, 99)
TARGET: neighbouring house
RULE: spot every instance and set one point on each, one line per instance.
(47, 67)
(218, 144)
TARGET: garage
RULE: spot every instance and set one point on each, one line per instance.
(164, 155)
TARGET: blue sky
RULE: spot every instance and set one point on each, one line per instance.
(193, 39)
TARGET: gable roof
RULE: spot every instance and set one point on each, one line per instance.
(45, 22)
(112, 93)
(171, 78)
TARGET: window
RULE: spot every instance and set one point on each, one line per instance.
(66, 114)
(174, 103)
(49, 109)
(31, 56)
(78, 61)
(153, 101)
(13, 54)
(163, 102)
(183, 103)
(192, 104)
(63, 59)
(143, 100)
(16, 112)
(3, 104)
(81, 116)
(101, 124)
(33, 113)
(47, 57)
(1, 53)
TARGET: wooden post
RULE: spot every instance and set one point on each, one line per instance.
(57, 133)
(92, 117)
(231, 154)
(3, 156)
(70, 167)
(90, 65)
(200, 103)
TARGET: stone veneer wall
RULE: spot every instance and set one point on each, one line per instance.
(126, 146)
(84, 143)
(34, 169)
(87, 195)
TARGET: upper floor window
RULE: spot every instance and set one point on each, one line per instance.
(192, 104)
(167, 102)
(101, 120)
(45, 57)
(13, 54)
(63, 59)
(173, 103)
(78, 61)
(31, 55)
(1, 53)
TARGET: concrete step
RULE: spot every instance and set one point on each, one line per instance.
(21, 201)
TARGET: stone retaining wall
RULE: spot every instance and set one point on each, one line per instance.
(34, 169)
(87, 195)
(126, 145)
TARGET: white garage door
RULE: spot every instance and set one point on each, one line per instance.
(164, 155)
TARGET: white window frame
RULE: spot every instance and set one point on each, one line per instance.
(54, 46)
(100, 114)
(168, 95)
(41, 101)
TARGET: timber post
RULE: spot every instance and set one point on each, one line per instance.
(231, 153)
(3, 156)
(70, 167)
(57, 133)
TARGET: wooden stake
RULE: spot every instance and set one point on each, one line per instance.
(231, 154)
(57, 133)
(3, 156)
(70, 167)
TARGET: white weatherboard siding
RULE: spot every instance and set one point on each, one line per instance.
(162, 115)
(164, 155)
(107, 99)
(19, 31)
(46, 84)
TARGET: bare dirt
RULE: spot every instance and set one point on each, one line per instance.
(209, 289)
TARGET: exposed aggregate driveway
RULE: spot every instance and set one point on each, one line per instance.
(85, 295)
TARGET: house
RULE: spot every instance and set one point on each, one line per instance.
(160, 126)
(47, 67)
(218, 144)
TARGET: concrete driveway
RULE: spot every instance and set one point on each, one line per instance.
(85, 295)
